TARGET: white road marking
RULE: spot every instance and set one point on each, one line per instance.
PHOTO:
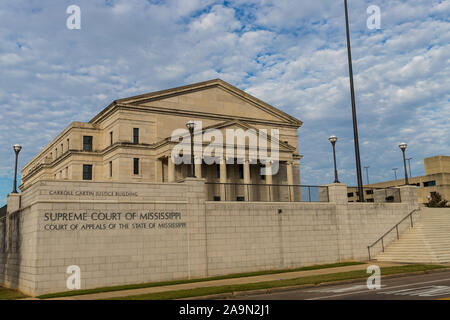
(367, 290)
(429, 291)
(341, 290)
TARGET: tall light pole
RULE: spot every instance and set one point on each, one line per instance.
(402, 147)
(355, 124)
(333, 140)
(367, 173)
(191, 125)
(17, 149)
(409, 164)
(395, 172)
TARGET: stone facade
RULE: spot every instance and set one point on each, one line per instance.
(125, 233)
(130, 140)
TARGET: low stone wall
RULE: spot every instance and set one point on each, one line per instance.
(139, 232)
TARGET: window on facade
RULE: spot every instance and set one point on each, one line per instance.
(68, 144)
(216, 198)
(110, 169)
(87, 143)
(135, 135)
(240, 199)
(62, 148)
(87, 171)
(350, 194)
(56, 152)
(136, 165)
(429, 183)
(111, 138)
(241, 171)
(217, 171)
(369, 191)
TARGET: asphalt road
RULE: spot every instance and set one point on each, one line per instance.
(414, 287)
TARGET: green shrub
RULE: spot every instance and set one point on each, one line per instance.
(436, 201)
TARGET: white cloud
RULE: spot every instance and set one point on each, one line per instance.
(291, 54)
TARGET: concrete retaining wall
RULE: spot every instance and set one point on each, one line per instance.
(141, 232)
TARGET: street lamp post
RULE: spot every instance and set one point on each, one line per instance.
(17, 149)
(409, 164)
(402, 147)
(333, 140)
(367, 173)
(395, 172)
(355, 126)
(191, 125)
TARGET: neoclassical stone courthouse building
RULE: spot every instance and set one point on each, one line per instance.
(129, 141)
(107, 198)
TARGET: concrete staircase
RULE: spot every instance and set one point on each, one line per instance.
(427, 242)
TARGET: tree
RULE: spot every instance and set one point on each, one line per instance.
(436, 201)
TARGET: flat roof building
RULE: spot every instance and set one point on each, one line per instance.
(435, 180)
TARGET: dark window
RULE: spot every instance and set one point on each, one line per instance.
(111, 137)
(241, 171)
(216, 198)
(350, 194)
(136, 165)
(263, 176)
(87, 171)
(429, 183)
(369, 191)
(218, 170)
(87, 143)
(240, 199)
(110, 169)
(135, 135)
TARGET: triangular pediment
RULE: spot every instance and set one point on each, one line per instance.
(215, 97)
(240, 128)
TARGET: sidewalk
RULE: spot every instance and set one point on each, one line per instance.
(224, 282)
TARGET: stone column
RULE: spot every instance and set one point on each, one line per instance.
(198, 166)
(223, 179)
(197, 253)
(170, 170)
(13, 204)
(269, 180)
(290, 180)
(247, 180)
(337, 194)
(408, 195)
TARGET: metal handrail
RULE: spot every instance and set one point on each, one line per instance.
(394, 227)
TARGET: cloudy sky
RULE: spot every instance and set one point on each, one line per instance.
(289, 53)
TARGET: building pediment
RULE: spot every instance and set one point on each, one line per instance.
(214, 97)
(238, 128)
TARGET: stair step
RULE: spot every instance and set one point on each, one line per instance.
(427, 241)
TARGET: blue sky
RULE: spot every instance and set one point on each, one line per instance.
(289, 53)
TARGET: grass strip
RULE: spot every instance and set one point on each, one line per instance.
(179, 294)
(9, 294)
(174, 282)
